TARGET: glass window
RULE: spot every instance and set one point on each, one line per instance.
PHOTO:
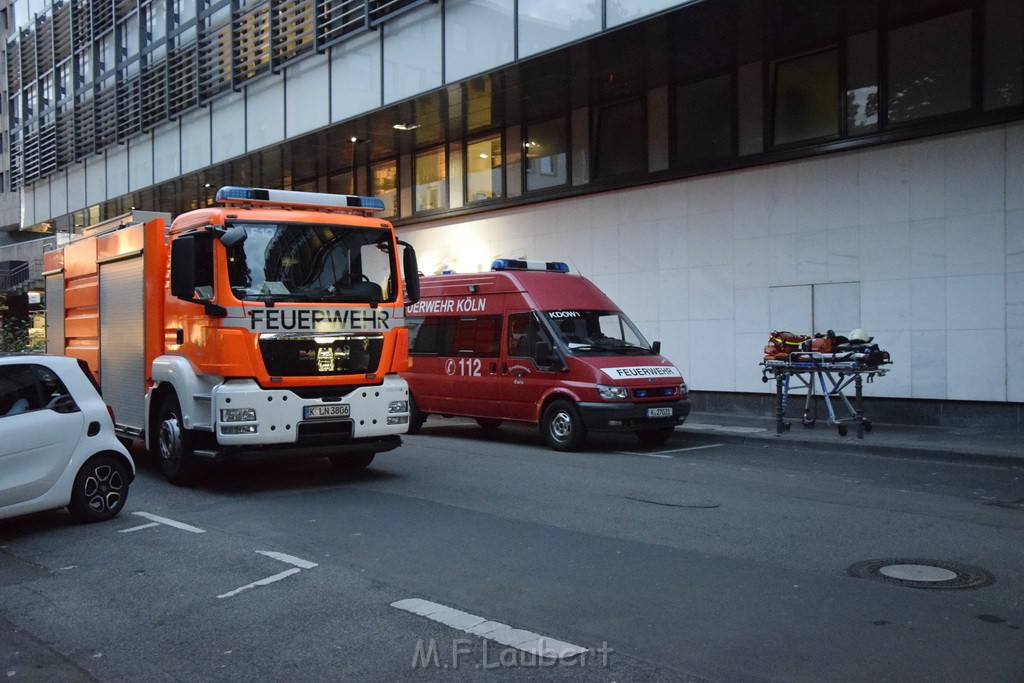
(527, 338)
(704, 121)
(342, 183)
(805, 106)
(862, 84)
(28, 387)
(484, 169)
(545, 146)
(621, 140)
(478, 336)
(428, 336)
(930, 68)
(431, 180)
(1004, 53)
(384, 185)
(749, 97)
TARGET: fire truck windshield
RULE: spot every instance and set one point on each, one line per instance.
(597, 333)
(304, 262)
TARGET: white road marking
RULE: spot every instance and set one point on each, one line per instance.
(302, 564)
(139, 528)
(527, 641)
(664, 454)
(171, 522)
(299, 563)
(262, 582)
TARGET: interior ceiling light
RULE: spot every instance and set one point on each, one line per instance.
(406, 126)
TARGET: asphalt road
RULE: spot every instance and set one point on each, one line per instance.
(691, 561)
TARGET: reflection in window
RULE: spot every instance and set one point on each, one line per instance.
(483, 169)
(545, 146)
(431, 180)
(862, 84)
(384, 185)
(342, 183)
(704, 121)
(930, 68)
(620, 139)
(1004, 53)
(804, 97)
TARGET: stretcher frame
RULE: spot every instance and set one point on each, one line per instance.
(829, 373)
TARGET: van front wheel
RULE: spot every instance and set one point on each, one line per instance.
(562, 426)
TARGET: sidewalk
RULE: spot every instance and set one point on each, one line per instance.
(994, 446)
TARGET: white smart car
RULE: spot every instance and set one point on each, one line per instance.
(57, 442)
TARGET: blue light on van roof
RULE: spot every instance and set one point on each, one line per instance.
(522, 264)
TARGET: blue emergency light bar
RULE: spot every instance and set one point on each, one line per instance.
(255, 195)
(521, 264)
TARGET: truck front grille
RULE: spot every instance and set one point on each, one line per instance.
(321, 355)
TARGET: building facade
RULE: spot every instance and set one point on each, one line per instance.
(722, 168)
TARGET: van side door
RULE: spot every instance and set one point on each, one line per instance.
(528, 367)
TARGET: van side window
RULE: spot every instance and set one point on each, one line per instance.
(524, 332)
(428, 336)
(477, 336)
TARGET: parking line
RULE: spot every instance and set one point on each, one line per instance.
(171, 522)
(664, 454)
(302, 564)
(262, 582)
(138, 528)
(526, 641)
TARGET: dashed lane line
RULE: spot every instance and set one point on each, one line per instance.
(526, 641)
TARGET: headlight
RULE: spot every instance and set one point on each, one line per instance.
(398, 407)
(610, 393)
(683, 390)
(237, 415)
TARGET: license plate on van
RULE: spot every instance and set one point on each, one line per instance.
(325, 412)
(659, 412)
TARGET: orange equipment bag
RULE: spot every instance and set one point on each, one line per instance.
(781, 344)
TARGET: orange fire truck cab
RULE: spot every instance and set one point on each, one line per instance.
(270, 326)
(530, 342)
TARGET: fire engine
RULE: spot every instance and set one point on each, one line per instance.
(268, 326)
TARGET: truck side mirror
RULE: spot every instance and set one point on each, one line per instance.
(411, 272)
(183, 268)
(656, 348)
(545, 355)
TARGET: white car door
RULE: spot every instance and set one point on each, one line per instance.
(36, 443)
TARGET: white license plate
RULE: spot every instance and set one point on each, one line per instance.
(325, 412)
(659, 412)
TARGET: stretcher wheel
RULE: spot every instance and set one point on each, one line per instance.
(842, 430)
(808, 421)
(867, 426)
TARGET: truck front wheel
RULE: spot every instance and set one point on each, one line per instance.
(562, 426)
(174, 443)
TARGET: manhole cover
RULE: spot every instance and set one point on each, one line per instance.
(921, 573)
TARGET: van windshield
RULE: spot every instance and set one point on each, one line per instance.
(308, 262)
(597, 333)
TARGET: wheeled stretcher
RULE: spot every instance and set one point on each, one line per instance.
(830, 374)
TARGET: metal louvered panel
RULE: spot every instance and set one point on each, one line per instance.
(382, 9)
(13, 69)
(62, 32)
(30, 157)
(65, 142)
(154, 94)
(293, 31)
(215, 61)
(182, 85)
(129, 105)
(47, 149)
(81, 23)
(251, 54)
(122, 8)
(122, 341)
(27, 44)
(105, 117)
(83, 129)
(102, 16)
(338, 18)
(44, 43)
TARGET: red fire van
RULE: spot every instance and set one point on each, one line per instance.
(530, 342)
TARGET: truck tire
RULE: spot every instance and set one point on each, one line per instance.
(416, 418)
(562, 427)
(656, 436)
(174, 445)
(100, 490)
(349, 464)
